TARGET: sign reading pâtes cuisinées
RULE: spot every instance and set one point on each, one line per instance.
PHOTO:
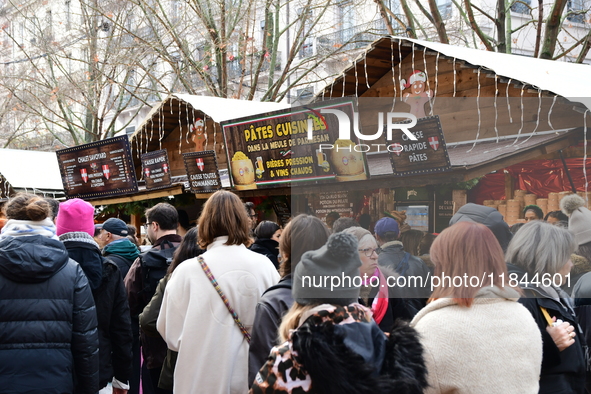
(98, 169)
(275, 148)
(156, 170)
(426, 155)
(202, 170)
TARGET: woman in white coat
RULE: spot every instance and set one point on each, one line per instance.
(194, 320)
(477, 337)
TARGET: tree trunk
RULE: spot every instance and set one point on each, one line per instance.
(410, 28)
(504, 42)
(438, 22)
(552, 29)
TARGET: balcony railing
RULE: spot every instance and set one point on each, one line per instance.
(352, 38)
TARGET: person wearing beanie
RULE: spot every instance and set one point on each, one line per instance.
(393, 256)
(579, 224)
(75, 228)
(488, 216)
(49, 329)
(386, 302)
(116, 246)
(339, 347)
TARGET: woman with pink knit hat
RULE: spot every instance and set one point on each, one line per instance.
(75, 228)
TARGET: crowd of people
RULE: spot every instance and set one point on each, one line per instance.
(235, 306)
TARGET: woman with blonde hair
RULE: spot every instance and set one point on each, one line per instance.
(209, 303)
(477, 337)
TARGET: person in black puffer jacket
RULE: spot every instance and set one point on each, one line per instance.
(75, 227)
(267, 235)
(48, 333)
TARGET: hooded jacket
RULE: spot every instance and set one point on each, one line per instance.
(48, 326)
(267, 247)
(114, 322)
(339, 349)
(488, 216)
(122, 253)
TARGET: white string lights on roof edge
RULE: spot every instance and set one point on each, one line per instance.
(455, 74)
(550, 113)
(478, 108)
(522, 112)
(537, 120)
(180, 129)
(436, 84)
(496, 108)
(400, 64)
(508, 101)
(393, 74)
(585, 152)
(365, 66)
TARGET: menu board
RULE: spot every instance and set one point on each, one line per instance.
(156, 169)
(282, 210)
(333, 202)
(99, 169)
(202, 170)
(428, 154)
(275, 149)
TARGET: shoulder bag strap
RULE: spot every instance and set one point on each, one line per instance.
(217, 287)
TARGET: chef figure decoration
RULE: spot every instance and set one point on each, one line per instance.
(418, 95)
(199, 136)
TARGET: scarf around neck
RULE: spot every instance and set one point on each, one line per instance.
(18, 228)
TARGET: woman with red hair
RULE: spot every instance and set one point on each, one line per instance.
(477, 338)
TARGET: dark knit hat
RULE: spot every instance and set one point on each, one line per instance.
(329, 274)
(116, 227)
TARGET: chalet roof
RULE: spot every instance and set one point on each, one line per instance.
(217, 108)
(569, 80)
(31, 171)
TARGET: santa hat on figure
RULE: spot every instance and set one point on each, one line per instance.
(417, 75)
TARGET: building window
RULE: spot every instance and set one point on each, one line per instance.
(575, 11)
(307, 42)
(345, 21)
(68, 12)
(130, 130)
(304, 96)
(444, 7)
(521, 6)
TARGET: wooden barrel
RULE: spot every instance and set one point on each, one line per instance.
(530, 199)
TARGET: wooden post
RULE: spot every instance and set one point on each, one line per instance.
(509, 181)
(136, 221)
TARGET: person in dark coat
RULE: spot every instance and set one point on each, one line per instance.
(48, 336)
(394, 257)
(538, 259)
(267, 235)
(116, 246)
(301, 234)
(75, 228)
(488, 216)
(161, 224)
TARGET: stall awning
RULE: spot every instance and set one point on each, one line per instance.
(32, 172)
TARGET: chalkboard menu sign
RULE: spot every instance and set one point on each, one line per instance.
(202, 170)
(273, 149)
(99, 169)
(426, 155)
(156, 169)
(282, 210)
